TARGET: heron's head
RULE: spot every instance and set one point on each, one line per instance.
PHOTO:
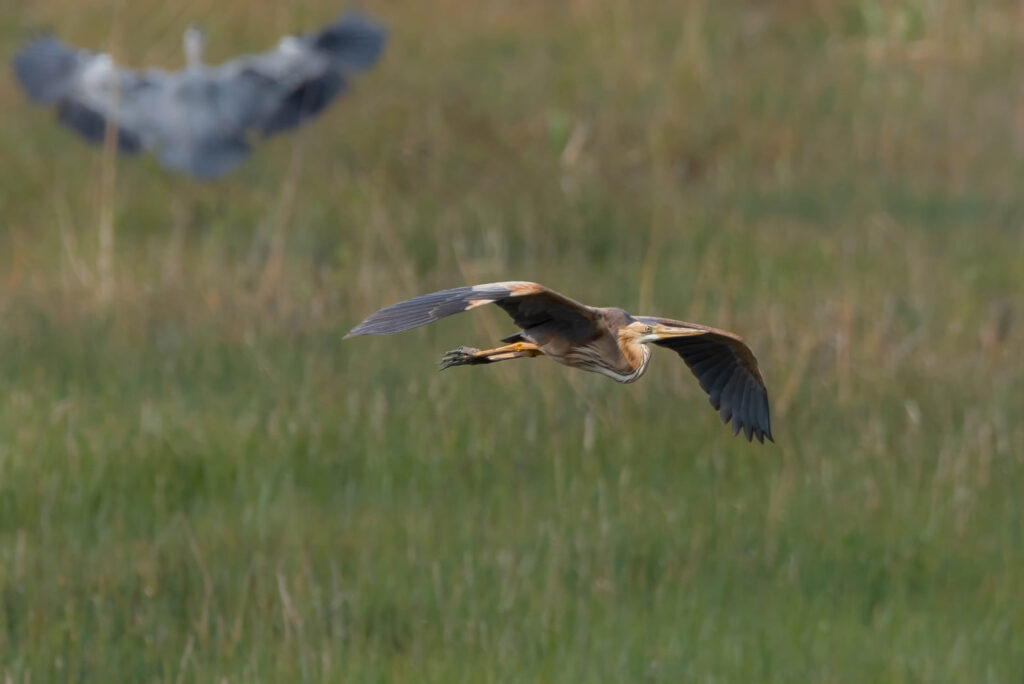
(193, 43)
(644, 331)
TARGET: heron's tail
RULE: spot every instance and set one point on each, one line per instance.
(353, 42)
(44, 68)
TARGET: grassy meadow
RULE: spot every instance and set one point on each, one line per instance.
(200, 482)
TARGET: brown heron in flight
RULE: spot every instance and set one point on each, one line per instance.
(601, 340)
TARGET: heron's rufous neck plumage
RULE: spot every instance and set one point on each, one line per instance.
(636, 354)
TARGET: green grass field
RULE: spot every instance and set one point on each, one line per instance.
(200, 482)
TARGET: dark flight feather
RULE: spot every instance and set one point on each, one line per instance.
(727, 370)
(528, 304)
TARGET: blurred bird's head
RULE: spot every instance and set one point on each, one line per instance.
(193, 44)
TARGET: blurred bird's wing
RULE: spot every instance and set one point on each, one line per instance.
(48, 70)
(727, 370)
(88, 90)
(528, 304)
(299, 77)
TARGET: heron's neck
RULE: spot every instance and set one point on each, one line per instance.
(637, 356)
(193, 51)
(645, 358)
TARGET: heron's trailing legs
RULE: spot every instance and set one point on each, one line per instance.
(468, 356)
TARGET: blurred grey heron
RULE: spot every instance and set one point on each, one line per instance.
(198, 120)
(601, 340)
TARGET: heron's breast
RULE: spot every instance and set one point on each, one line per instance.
(602, 356)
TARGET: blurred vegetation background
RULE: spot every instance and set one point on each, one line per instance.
(200, 482)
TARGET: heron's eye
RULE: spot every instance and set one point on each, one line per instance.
(648, 330)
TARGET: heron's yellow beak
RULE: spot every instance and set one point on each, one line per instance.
(665, 332)
(655, 333)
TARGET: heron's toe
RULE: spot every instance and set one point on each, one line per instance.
(458, 357)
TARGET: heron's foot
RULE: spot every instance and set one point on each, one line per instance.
(463, 356)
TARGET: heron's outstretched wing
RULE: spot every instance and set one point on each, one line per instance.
(86, 87)
(299, 77)
(47, 68)
(303, 102)
(727, 371)
(530, 305)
